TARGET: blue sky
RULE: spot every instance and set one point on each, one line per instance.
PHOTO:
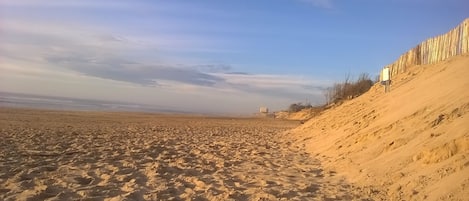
(208, 55)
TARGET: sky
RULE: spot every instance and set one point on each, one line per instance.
(210, 56)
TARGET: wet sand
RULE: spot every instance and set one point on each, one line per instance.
(60, 155)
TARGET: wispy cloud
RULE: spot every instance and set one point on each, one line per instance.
(276, 85)
(101, 54)
(132, 72)
(150, 60)
(96, 53)
(320, 3)
(70, 3)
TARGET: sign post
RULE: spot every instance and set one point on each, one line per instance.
(386, 81)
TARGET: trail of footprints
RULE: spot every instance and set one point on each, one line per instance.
(219, 160)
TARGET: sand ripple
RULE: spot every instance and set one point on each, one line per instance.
(107, 156)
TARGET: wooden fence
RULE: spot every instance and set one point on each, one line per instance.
(433, 50)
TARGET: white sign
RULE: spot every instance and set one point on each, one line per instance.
(385, 74)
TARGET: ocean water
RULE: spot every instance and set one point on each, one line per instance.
(8, 99)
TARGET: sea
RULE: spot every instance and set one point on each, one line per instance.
(20, 100)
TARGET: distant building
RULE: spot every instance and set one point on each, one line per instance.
(263, 110)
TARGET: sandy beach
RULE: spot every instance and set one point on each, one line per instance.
(409, 144)
(59, 155)
(299, 100)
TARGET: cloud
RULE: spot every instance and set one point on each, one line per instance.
(69, 4)
(145, 61)
(100, 54)
(133, 72)
(111, 38)
(277, 86)
(319, 3)
(218, 77)
(214, 68)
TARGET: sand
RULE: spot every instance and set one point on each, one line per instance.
(60, 155)
(409, 144)
(303, 115)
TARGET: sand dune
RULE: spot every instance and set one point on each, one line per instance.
(409, 144)
(56, 155)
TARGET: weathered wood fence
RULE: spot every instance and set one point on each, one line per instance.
(439, 48)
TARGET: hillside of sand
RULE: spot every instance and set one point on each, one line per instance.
(409, 144)
(302, 115)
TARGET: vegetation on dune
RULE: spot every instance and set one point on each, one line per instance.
(296, 107)
(338, 93)
(348, 89)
